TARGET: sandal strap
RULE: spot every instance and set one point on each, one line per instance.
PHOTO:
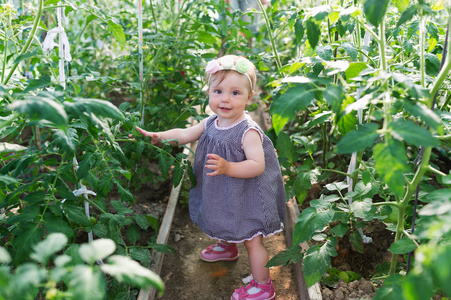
(210, 249)
(243, 294)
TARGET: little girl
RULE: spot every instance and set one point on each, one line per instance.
(239, 194)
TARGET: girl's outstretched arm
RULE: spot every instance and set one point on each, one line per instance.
(181, 135)
(253, 166)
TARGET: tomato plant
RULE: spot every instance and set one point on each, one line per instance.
(358, 92)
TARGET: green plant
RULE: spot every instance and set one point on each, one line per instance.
(73, 274)
(317, 104)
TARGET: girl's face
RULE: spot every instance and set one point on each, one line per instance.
(229, 97)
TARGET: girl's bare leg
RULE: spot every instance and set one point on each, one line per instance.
(258, 258)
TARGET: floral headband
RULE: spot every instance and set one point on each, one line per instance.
(241, 66)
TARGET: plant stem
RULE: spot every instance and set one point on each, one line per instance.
(443, 74)
(153, 15)
(422, 41)
(398, 236)
(268, 28)
(37, 19)
(335, 171)
(391, 203)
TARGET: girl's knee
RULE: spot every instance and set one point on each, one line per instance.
(255, 242)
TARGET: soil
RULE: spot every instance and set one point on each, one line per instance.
(186, 276)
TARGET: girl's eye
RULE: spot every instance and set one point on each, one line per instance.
(235, 93)
(217, 91)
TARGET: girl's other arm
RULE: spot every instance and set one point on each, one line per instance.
(182, 135)
(253, 166)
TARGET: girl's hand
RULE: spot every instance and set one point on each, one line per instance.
(155, 136)
(219, 165)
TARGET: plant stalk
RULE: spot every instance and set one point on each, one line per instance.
(273, 43)
(37, 19)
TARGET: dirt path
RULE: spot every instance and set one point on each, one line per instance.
(188, 277)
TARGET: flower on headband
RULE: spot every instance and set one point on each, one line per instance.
(212, 67)
(227, 63)
(242, 65)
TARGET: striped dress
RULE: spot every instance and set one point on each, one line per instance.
(236, 209)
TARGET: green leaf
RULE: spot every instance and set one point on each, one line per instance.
(27, 235)
(402, 246)
(289, 104)
(354, 70)
(299, 30)
(206, 37)
(39, 108)
(162, 248)
(336, 186)
(356, 241)
(25, 56)
(359, 139)
(334, 95)
(432, 64)
(316, 262)
(68, 141)
(401, 5)
(86, 283)
(53, 243)
(350, 49)
(313, 32)
(325, 52)
(133, 233)
(412, 134)
(6, 180)
(142, 255)
(7, 147)
(96, 250)
(392, 288)
(100, 230)
(165, 164)
(440, 268)
(126, 195)
(309, 221)
(35, 197)
(407, 15)
(422, 111)
(85, 165)
(5, 258)
(362, 209)
(98, 107)
(340, 230)
(286, 147)
(27, 277)
(76, 214)
(301, 186)
(178, 174)
(35, 84)
(120, 207)
(325, 116)
(129, 271)
(440, 203)
(141, 221)
(391, 164)
(375, 10)
(117, 31)
(289, 256)
(58, 224)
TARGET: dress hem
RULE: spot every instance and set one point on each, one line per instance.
(255, 235)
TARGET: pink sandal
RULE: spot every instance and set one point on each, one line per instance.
(230, 253)
(267, 291)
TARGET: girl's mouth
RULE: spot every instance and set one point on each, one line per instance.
(224, 108)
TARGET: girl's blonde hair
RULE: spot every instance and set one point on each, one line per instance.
(219, 75)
